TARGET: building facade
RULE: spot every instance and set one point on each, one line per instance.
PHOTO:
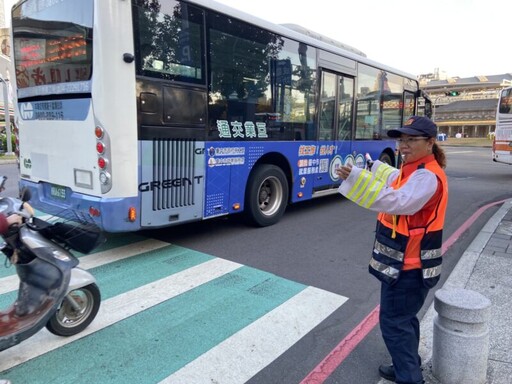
(2, 14)
(465, 105)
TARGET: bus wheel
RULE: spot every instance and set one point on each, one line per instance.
(267, 195)
(385, 158)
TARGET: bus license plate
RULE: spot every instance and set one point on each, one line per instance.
(58, 192)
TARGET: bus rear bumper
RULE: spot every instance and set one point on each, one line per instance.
(111, 214)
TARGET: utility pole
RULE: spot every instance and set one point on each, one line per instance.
(7, 116)
(434, 105)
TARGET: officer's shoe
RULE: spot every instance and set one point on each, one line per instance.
(387, 372)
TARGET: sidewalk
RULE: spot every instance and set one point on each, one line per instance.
(7, 160)
(485, 267)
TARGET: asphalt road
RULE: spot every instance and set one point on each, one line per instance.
(326, 244)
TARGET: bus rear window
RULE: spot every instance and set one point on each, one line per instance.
(168, 41)
(52, 46)
(506, 101)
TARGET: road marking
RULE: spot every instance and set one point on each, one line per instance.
(121, 307)
(344, 348)
(10, 283)
(247, 352)
(117, 254)
(241, 319)
(265, 317)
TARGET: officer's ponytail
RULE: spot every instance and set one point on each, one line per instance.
(439, 155)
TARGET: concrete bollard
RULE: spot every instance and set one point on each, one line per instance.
(460, 346)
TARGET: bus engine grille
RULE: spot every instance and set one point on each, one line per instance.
(174, 173)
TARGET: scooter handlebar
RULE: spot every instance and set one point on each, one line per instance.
(13, 206)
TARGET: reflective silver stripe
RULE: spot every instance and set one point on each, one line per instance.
(388, 251)
(430, 254)
(384, 269)
(431, 272)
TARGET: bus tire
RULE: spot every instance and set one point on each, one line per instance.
(385, 158)
(266, 195)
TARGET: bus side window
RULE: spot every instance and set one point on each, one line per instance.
(327, 106)
(346, 99)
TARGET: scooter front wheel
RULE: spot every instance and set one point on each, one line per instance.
(76, 312)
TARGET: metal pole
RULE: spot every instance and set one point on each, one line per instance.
(434, 107)
(7, 117)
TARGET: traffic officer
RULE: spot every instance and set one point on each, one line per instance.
(406, 255)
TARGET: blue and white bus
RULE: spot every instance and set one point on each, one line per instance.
(149, 113)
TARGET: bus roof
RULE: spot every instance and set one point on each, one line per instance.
(326, 39)
(293, 34)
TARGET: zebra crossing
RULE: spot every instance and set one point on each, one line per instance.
(170, 315)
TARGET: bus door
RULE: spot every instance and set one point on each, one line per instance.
(335, 116)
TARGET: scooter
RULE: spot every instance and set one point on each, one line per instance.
(53, 292)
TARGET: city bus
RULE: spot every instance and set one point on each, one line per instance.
(502, 144)
(146, 113)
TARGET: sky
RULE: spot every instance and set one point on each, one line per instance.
(459, 37)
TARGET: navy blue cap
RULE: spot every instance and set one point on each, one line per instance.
(416, 126)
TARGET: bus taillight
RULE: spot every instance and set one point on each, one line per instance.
(104, 157)
(100, 147)
(102, 163)
(98, 131)
(94, 212)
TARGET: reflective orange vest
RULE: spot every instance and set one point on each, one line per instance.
(412, 241)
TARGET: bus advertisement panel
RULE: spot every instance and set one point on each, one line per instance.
(147, 114)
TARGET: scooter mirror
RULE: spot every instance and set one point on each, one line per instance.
(25, 194)
(3, 179)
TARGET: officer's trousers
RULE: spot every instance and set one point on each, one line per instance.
(399, 305)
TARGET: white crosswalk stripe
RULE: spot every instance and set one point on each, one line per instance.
(241, 356)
